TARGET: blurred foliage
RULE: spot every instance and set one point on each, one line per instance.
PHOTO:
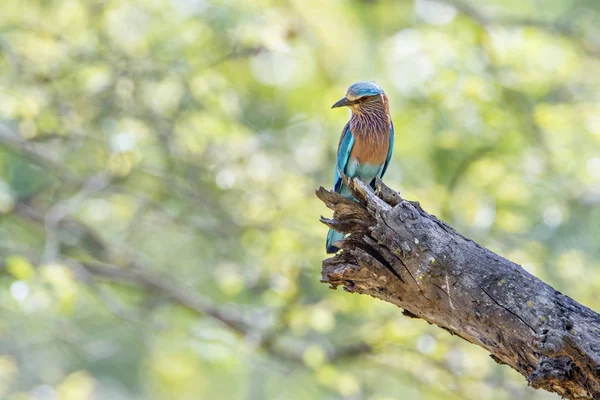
(159, 234)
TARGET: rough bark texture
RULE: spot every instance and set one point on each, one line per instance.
(399, 253)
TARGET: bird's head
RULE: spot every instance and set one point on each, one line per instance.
(361, 93)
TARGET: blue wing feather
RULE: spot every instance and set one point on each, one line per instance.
(343, 154)
(390, 151)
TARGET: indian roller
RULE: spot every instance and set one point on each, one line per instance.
(366, 143)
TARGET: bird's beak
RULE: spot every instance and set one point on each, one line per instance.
(341, 103)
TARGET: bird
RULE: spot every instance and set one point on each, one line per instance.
(366, 143)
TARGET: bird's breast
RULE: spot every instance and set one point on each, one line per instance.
(370, 149)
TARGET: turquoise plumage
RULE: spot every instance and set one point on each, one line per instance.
(366, 143)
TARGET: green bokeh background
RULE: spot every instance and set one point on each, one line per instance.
(180, 142)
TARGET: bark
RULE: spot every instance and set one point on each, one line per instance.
(399, 253)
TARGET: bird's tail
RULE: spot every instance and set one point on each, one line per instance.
(332, 237)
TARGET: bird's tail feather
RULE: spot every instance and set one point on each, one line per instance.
(332, 237)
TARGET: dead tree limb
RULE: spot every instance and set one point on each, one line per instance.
(399, 253)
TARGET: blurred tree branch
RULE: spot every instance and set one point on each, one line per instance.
(32, 151)
(187, 298)
(399, 253)
(140, 276)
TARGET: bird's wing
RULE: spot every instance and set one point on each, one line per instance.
(390, 151)
(343, 154)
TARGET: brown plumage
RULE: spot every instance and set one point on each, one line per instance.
(370, 125)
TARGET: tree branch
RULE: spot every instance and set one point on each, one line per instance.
(399, 253)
